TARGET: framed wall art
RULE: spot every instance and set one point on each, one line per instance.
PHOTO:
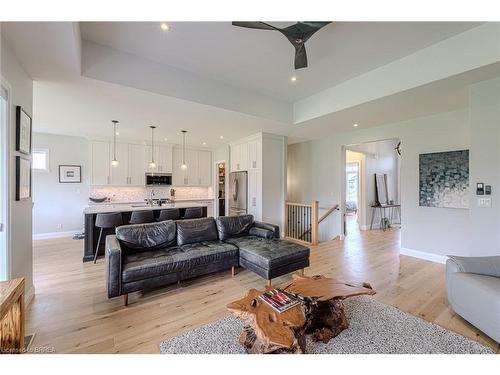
(70, 174)
(444, 179)
(23, 178)
(23, 131)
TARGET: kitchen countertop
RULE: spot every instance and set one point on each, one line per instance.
(109, 207)
(139, 202)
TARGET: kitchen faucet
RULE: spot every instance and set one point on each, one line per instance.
(151, 195)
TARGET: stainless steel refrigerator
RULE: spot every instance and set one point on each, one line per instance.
(237, 193)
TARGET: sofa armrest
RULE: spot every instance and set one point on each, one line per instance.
(113, 266)
(274, 228)
(489, 266)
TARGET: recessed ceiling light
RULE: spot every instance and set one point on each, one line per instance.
(293, 79)
(165, 139)
(355, 125)
(204, 143)
(221, 137)
(164, 26)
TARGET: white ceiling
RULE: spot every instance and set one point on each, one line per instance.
(262, 60)
(65, 102)
(85, 107)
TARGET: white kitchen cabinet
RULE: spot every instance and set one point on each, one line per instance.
(100, 164)
(204, 168)
(255, 154)
(198, 172)
(263, 156)
(178, 175)
(191, 177)
(239, 157)
(136, 173)
(162, 157)
(255, 194)
(119, 173)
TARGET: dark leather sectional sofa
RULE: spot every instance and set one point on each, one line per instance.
(145, 256)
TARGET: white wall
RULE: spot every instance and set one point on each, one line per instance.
(59, 204)
(485, 165)
(315, 173)
(21, 251)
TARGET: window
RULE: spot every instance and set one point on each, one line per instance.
(41, 162)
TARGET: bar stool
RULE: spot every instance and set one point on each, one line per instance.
(106, 221)
(193, 213)
(142, 217)
(170, 214)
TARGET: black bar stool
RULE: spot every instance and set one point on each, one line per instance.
(142, 217)
(106, 221)
(170, 214)
(193, 213)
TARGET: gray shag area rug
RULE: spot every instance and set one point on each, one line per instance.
(374, 328)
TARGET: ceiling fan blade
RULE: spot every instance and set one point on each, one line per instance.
(300, 57)
(255, 25)
(303, 30)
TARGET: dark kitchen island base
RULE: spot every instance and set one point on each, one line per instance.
(92, 232)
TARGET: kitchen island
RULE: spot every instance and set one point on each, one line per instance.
(126, 209)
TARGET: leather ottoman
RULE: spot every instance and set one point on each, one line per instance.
(270, 258)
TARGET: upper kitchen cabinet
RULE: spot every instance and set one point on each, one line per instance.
(162, 158)
(136, 165)
(239, 157)
(198, 172)
(129, 171)
(100, 163)
(119, 174)
(255, 154)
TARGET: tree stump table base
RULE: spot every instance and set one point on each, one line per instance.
(321, 314)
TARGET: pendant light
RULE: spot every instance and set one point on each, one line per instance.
(152, 164)
(114, 162)
(184, 166)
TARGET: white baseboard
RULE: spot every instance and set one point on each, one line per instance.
(45, 236)
(423, 255)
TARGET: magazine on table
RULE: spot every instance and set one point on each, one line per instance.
(279, 300)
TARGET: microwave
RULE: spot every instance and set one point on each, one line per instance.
(164, 179)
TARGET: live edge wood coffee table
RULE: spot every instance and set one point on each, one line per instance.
(320, 313)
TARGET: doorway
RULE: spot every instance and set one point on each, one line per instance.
(353, 206)
(365, 165)
(4, 178)
(220, 168)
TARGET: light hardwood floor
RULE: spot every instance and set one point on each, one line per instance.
(72, 313)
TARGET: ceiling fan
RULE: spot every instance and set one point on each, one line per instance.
(297, 34)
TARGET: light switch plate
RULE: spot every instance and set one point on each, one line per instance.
(484, 202)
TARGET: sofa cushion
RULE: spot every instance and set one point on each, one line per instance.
(144, 237)
(261, 232)
(489, 266)
(234, 226)
(149, 264)
(269, 253)
(477, 299)
(196, 230)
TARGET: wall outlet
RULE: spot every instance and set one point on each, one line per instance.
(59, 226)
(484, 202)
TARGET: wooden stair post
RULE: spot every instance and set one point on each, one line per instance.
(315, 223)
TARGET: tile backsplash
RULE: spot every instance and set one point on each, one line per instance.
(139, 193)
